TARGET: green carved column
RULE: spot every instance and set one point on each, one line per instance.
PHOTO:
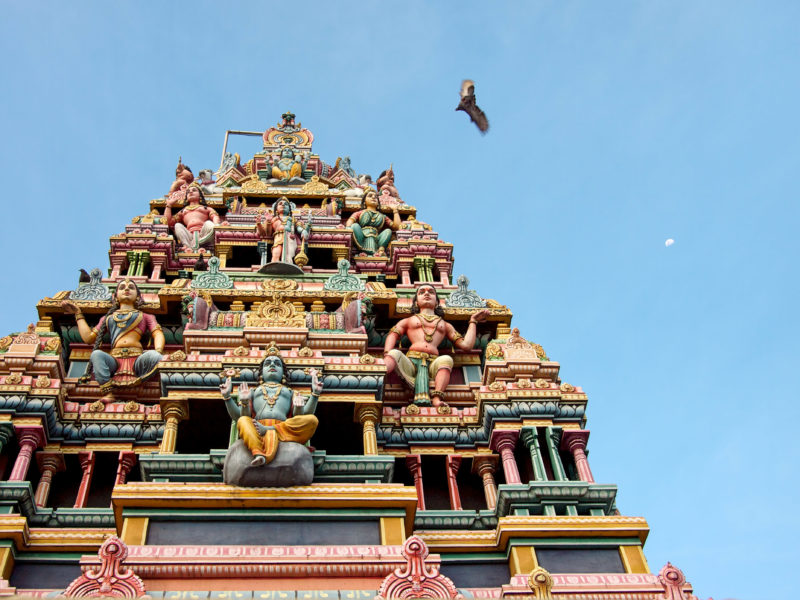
(133, 259)
(6, 433)
(424, 266)
(142, 262)
(531, 440)
(553, 442)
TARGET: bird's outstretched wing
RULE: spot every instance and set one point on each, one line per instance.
(468, 105)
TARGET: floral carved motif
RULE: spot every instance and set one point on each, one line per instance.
(110, 579)
(274, 313)
(416, 579)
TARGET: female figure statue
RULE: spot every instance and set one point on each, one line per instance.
(367, 225)
(128, 363)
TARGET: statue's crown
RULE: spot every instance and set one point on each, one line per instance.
(272, 349)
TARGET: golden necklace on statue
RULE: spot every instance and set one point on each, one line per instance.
(122, 317)
(271, 392)
(429, 336)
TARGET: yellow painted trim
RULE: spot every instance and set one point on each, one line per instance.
(393, 531)
(633, 559)
(6, 563)
(522, 560)
(537, 422)
(134, 530)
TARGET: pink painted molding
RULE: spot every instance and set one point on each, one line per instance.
(416, 579)
(110, 580)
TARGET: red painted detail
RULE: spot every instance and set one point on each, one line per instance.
(110, 579)
(416, 579)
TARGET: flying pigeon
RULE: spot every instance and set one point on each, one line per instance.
(467, 104)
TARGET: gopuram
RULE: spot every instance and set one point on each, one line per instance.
(280, 388)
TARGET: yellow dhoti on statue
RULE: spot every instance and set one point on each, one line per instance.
(294, 429)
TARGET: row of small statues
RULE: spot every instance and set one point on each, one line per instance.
(263, 416)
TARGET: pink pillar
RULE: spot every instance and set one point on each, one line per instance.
(49, 463)
(126, 461)
(29, 438)
(405, 272)
(117, 262)
(575, 442)
(414, 463)
(504, 443)
(87, 466)
(485, 467)
(453, 463)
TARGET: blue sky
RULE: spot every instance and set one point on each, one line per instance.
(614, 126)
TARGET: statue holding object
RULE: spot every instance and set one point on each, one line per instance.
(183, 177)
(128, 363)
(372, 230)
(263, 415)
(426, 329)
(288, 234)
(194, 224)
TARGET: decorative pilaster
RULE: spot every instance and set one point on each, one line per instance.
(530, 438)
(86, 460)
(368, 416)
(29, 438)
(485, 466)
(453, 463)
(504, 443)
(172, 413)
(424, 266)
(49, 463)
(553, 443)
(127, 459)
(414, 463)
(575, 442)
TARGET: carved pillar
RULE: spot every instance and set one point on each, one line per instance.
(530, 438)
(127, 459)
(340, 253)
(159, 264)
(575, 442)
(553, 443)
(368, 416)
(485, 466)
(49, 463)
(504, 442)
(263, 253)
(414, 463)
(424, 267)
(86, 460)
(453, 463)
(29, 438)
(117, 263)
(405, 272)
(224, 254)
(172, 412)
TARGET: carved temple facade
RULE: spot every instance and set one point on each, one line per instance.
(119, 490)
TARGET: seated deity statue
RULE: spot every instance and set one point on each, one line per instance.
(426, 329)
(372, 230)
(183, 177)
(272, 413)
(288, 234)
(289, 166)
(128, 363)
(194, 224)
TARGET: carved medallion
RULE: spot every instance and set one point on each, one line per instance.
(274, 313)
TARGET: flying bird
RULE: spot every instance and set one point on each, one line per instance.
(468, 105)
(84, 277)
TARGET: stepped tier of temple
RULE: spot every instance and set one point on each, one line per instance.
(280, 387)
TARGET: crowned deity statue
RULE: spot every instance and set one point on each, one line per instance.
(289, 166)
(194, 224)
(272, 413)
(183, 177)
(426, 329)
(128, 363)
(288, 234)
(372, 230)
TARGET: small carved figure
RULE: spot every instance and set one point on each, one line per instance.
(194, 224)
(183, 177)
(386, 182)
(263, 414)
(128, 363)
(289, 166)
(229, 162)
(426, 329)
(285, 231)
(368, 223)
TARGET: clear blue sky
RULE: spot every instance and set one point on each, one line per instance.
(614, 126)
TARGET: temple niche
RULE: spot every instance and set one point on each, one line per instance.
(279, 384)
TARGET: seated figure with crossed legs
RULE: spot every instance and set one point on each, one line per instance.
(426, 329)
(263, 416)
